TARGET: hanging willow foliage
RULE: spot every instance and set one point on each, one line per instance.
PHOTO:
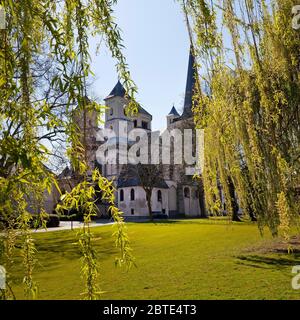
(59, 32)
(250, 64)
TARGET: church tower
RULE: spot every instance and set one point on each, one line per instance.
(189, 89)
(88, 126)
(115, 119)
(173, 114)
(121, 124)
(189, 193)
(116, 104)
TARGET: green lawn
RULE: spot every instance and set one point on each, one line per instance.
(190, 259)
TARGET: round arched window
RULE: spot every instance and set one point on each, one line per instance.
(159, 196)
(186, 192)
(121, 195)
(132, 195)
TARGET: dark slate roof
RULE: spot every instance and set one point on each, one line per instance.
(117, 91)
(174, 112)
(129, 178)
(130, 182)
(190, 85)
(142, 110)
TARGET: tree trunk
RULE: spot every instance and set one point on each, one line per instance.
(234, 204)
(148, 198)
(202, 200)
(251, 212)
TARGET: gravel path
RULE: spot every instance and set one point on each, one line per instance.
(67, 225)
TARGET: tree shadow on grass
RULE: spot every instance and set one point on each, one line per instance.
(266, 262)
(66, 246)
(188, 220)
(160, 221)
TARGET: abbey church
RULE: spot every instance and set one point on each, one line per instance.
(175, 192)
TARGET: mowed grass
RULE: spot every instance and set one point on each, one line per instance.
(189, 259)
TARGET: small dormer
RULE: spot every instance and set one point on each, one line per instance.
(173, 114)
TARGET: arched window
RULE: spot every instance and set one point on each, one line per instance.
(186, 192)
(135, 123)
(106, 153)
(121, 195)
(111, 112)
(144, 124)
(132, 195)
(159, 196)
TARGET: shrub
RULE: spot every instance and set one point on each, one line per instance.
(160, 216)
(52, 221)
(72, 215)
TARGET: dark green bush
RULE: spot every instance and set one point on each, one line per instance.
(52, 221)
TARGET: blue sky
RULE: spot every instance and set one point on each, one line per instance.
(157, 51)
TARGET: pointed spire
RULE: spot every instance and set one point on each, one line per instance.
(173, 112)
(190, 85)
(117, 91)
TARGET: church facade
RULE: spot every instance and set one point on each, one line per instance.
(175, 192)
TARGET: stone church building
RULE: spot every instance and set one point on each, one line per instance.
(175, 193)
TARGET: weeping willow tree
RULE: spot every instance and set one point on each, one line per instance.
(248, 56)
(59, 31)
